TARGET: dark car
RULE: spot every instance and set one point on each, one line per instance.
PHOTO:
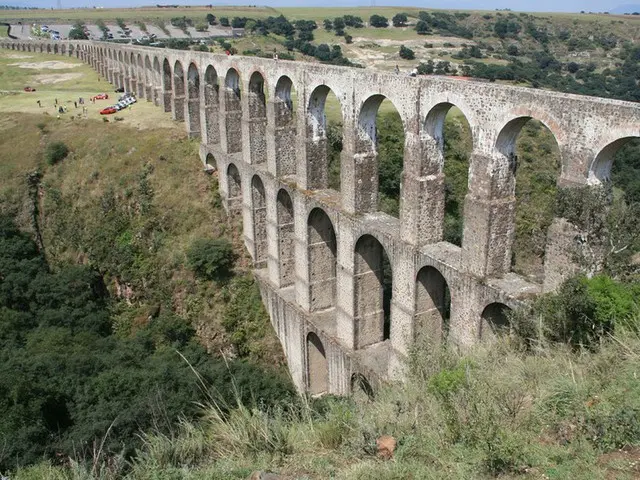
(120, 90)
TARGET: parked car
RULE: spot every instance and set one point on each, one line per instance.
(29, 89)
(101, 96)
(108, 110)
(119, 90)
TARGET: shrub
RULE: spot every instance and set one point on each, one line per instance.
(400, 20)
(407, 53)
(211, 259)
(56, 152)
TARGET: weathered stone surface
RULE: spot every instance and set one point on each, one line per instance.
(317, 252)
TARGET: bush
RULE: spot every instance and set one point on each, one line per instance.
(400, 20)
(407, 53)
(211, 259)
(56, 152)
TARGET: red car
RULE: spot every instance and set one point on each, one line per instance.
(101, 96)
(108, 111)
(29, 89)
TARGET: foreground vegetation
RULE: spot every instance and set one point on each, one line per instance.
(134, 343)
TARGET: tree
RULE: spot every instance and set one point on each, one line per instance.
(378, 21)
(573, 67)
(513, 50)
(400, 20)
(422, 27)
(338, 23)
(328, 24)
(407, 53)
(211, 19)
(224, 21)
(77, 32)
(211, 259)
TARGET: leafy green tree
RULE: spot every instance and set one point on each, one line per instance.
(378, 21)
(422, 28)
(328, 24)
(211, 259)
(407, 53)
(400, 20)
(211, 19)
(77, 32)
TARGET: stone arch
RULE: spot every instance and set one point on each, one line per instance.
(368, 187)
(211, 105)
(372, 292)
(257, 114)
(359, 383)
(322, 260)
(317, 365)
(259, 210)
(193, 105)
(285, 128)
(233, 111)
(148, 73)
(526, 147)
(166, 84)
(234, 188)
(600, 168)
(316, 139)
(494, 321)
(445, 199)
(432, 306)
(178, 91)
(286, 237)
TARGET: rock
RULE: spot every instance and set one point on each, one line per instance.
(386, 446)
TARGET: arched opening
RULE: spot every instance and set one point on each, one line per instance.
(494, 321)
(63, 49)
(211, 105)
(447, 145)
(178, 92)
(166, 84)
(234, 189)
(193, 106)
(148, 74)
(286, 238)
(285, 127)
(211, 162)
(360, 387)
(380, 152)
(324, 139)
(432, 307)
(140, 76)
(157, 82)
(259, 209)
(322, 248)
(48, 48)
(531, 152)
(257, 119)
(317, 366)
(373, 290)
(233, 111)
(55, 48)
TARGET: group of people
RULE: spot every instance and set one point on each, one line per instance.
(63, 109)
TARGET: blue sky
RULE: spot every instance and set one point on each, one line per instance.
(520, 5)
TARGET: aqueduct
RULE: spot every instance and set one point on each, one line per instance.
(318, 252)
